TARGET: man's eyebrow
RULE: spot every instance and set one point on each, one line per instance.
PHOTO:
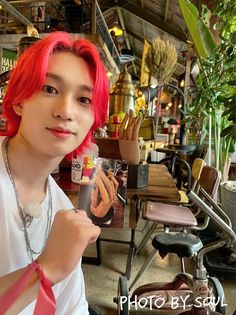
(54, 76)
(58, 78)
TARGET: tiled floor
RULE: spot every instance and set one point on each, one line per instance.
(102, 281)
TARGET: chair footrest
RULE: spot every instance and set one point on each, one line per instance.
(181, 244)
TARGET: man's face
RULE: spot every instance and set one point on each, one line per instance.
(55, 120)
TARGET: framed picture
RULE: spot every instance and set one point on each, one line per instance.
(102, 191)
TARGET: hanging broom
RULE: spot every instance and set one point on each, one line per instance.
(161, 61)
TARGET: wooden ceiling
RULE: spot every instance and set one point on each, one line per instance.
(139, 20)
(145, 20)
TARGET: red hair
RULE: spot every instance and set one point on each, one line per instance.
(29, 75)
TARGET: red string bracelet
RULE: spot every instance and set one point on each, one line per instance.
(45, 304)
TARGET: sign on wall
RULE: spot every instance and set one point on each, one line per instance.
(8, 60)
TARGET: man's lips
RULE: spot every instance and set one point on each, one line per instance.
(60, 132)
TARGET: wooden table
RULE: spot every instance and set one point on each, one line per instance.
(161, 187)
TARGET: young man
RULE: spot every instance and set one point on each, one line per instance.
(56, 97)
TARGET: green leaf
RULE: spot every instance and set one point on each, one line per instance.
(232, 117)
(232, 147)
(233, 38)
(221, 98)
(216, 26)
(207, 38)
(191, 14)
(233, 133)
(226, 131)
(227, 112)
(232, 82)
(230, 50)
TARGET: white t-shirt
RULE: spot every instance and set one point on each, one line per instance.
(69, 293)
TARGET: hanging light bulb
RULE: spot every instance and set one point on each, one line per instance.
(109, 74)
(115, 28)
(182, 83)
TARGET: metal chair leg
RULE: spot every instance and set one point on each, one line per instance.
(182, 264)
(143, 268)
(146, 238)
(145, 226)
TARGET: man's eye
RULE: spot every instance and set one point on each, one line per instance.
(49, 89)
(84, 100)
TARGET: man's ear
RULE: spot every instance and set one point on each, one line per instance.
(17, 108)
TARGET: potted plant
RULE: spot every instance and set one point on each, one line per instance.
(214, 107)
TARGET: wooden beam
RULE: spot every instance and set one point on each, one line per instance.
(122, 21)
(94, 29)
(148, 17)
(134, 35)
(166, 10)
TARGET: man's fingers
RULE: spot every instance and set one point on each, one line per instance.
(95, 234)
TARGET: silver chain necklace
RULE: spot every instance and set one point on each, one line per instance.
(25, 217)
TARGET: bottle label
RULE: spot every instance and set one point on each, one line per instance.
(76, 169)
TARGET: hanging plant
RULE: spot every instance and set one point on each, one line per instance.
(161, 60)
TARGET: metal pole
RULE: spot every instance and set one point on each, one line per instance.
(182, 126)
(210, 137)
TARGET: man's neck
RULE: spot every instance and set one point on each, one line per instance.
(29, 170)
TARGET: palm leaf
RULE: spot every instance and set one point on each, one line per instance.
(207, 37)
(201, 36)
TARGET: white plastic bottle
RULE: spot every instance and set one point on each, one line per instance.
(76, 168)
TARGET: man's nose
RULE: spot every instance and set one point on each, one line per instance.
(63, 109)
